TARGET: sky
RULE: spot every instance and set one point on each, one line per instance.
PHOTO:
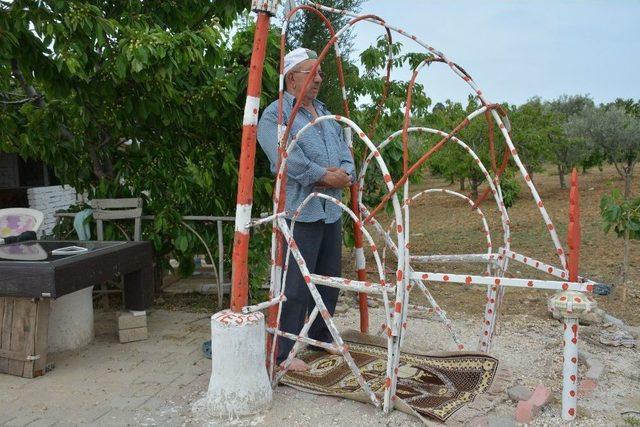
(517, 49)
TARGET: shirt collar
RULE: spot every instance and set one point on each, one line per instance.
(291, 100)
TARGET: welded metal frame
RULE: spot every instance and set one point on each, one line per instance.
(395, 292)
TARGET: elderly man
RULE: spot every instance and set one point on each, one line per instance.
(321, 161)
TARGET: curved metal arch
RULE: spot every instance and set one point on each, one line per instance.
(478, 92)
(499, 202)
(477, 210)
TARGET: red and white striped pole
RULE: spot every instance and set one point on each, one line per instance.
(571, 305)
(239, 383)
(239, 273)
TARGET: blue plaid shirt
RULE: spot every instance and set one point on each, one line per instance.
(320, 147)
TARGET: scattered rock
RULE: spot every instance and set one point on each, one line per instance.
(592, 318)
(586, 387)
(419, 314)
(631, 417)
(617, 337)
(519, 392)
(373, 302)
(595, 367)
(528, 409)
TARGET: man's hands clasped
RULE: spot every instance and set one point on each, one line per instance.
(335, 178)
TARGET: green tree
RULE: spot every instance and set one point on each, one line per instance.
(308, 30)
(616, 133)
(623, 216)
(566, 151)
(454, 163)
(531, 123)
(134, 98)
(380, 117)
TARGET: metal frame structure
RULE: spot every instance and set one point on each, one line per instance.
(395, 291)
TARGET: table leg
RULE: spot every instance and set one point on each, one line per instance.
(138, 289)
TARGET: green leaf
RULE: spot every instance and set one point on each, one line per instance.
(182, 243)
(136, 66)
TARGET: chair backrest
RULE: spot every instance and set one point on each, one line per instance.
(14, 221)
(109, 209)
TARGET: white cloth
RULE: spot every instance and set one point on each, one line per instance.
(297, 56)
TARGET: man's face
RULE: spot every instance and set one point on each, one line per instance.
(299, 74)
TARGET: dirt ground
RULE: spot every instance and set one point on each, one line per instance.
(442, 224)
(160, 381)
(531, 348)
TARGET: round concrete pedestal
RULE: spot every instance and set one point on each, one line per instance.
(239, 384)
(71, 321)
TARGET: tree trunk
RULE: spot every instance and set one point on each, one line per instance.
(475, 183)
(96, 165)
(462, 184)
(628, 177)
(563, 184)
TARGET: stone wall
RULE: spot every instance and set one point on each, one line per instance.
(48, 200)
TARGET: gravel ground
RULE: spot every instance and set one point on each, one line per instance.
(529, 347)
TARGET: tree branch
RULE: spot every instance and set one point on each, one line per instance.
(26, 87)
(33, 93)
(622, 174)
(95, 162)
(20, 101)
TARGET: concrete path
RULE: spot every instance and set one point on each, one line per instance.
(155, 382)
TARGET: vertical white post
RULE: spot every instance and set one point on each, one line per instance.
(570, 305)
(570, 369)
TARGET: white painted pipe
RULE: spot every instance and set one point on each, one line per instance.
(570, 369)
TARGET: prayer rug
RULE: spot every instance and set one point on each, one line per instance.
(431, 385)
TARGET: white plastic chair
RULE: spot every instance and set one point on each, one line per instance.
(14, 221)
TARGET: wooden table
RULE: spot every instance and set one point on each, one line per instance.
(30, 276)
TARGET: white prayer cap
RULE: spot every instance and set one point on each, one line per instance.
(297, 56)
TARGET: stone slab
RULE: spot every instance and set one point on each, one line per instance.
(127, 320)
(133, 334)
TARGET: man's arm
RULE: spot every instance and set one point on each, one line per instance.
(299, 167)
(346, 158)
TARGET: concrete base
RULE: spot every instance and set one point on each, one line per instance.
(239, 384)
(71, 321)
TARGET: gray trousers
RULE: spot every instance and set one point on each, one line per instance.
(321, 247)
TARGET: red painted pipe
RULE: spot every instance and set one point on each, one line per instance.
(240, 279)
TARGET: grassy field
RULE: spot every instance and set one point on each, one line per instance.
(441, 224)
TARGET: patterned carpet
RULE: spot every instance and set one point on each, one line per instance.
(431, 385)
